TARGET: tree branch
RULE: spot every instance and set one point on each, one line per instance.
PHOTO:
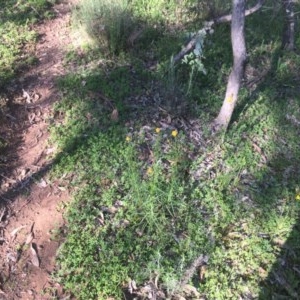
(208, 25)
(227, 18)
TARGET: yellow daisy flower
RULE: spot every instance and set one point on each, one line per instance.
(128, 138)
(157, 130)
(297, 197)
(174, 133)
(150, 171)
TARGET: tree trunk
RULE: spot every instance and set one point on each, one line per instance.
(239, 57)
(288, 40)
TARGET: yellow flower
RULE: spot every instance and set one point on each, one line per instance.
(128, 139)
(149, 171)
(157, 130)
(174, 133)
(297, 197)
(230, 99)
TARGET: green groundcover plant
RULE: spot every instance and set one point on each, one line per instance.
(153, 192)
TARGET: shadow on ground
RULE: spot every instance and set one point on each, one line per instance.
(278, 89)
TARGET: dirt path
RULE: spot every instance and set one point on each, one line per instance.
(31, 205)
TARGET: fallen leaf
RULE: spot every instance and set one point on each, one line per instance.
(115, 115)
(262, 273)
(119, 203)
(169, 119)
(42, 183)
(279, 242)
(3, 213)
(11, 257)
(202, 273)
(31, 118)
(124, 223)
(26, 96)
(259, 151)
(23, 173)
(29, 238)
(34, 257)
(133, 284)
(50, 150)
(101, 218)
(178, 297)
(15, 231)
(69, 297)
(139, 232)
(36, 97)
(101, 221)
(156, 281)
(190, 290)
(110, 210)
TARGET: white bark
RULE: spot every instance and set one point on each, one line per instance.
(239, 57)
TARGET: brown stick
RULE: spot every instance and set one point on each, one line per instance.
(189, 273)
(209, 25)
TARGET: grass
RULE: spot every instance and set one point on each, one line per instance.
(153, 190)
(148, 203)
(18, 40)
(18, 37)
(108, 22)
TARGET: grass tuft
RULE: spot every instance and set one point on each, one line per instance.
(108, 22)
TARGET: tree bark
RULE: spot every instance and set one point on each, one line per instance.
(288, 40)
(208, 25)
(239, 58)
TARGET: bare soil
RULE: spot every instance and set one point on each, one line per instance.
(31, 205)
